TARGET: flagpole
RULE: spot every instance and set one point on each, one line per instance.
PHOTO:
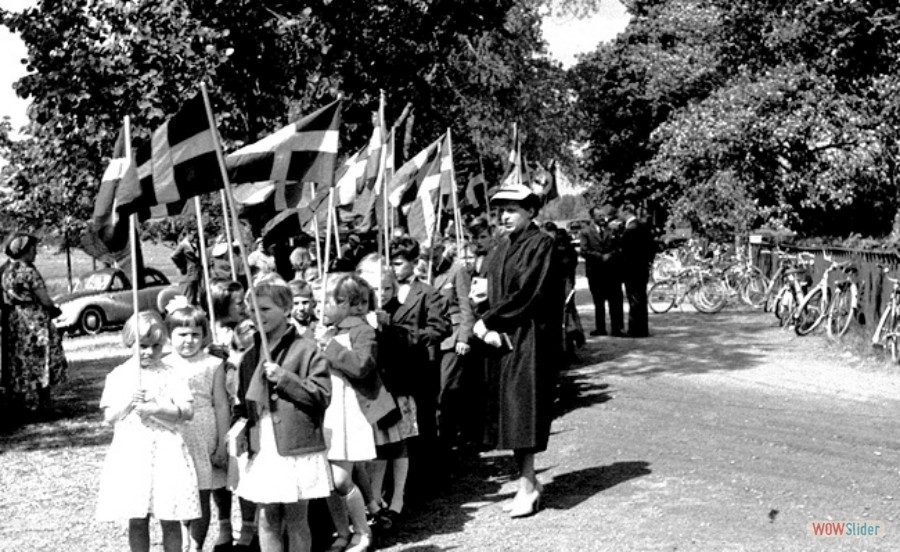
(234, 217)
(132, 238)
(487, 200)
(384, 249)
(337, 232)
(204, 262)
(229, 237)
(328, 216)
(436, 229)
(388, 211)
(315, 225)
(457, 218)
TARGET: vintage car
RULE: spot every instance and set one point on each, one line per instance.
(103, 299)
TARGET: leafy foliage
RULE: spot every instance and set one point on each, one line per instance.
(733, 114)
(474, 67)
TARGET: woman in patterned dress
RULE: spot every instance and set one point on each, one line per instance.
(36, 357)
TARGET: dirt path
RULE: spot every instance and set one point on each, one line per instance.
(716, 433)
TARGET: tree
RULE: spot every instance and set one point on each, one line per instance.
(730, 114)
(471, 66)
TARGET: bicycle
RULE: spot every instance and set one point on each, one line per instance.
(696, 284)
(813, 308)
(844, 304)
(779, 284)
(746, 281)
(887, 333)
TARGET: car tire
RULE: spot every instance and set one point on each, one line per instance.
(92, 321)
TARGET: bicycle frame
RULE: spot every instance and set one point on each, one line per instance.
(801, 315)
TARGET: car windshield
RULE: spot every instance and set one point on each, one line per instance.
(96, 282)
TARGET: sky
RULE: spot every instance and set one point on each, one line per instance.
(566, 38)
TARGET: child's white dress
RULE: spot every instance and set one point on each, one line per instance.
(200, 433)
(271, 478)
(348, 433)
(148, 469)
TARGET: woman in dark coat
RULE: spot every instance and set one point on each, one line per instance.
(523, 321)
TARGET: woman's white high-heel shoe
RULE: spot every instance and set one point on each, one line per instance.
(526, 505)
(508, 506)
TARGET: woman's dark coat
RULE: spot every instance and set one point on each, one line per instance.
(525, 301)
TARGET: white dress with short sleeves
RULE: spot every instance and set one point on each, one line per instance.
(148, 469)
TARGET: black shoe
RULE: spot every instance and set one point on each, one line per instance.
(595, 333)
(619, 334)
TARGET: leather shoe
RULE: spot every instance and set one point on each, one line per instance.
(595, 333)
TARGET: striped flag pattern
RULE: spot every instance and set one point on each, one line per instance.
(403, 187)
(177, 163)
(421, 212)
(516, 174)
(475, 191)
(304, 151)
(107, 224)
(351, 177)
(448, 174)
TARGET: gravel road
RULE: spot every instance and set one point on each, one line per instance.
(717, 433)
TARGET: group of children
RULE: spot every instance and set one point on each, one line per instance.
(297, 402)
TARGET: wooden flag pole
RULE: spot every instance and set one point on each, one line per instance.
(328, 216)
(135, 304)
(435, 230)
(204, 262)
(132, 239)
(234, 217)
(228, 236)
(487, 200)
(457, 218)
(337, 232)
(315, 225)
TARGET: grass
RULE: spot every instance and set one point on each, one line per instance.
(49, 470)
(53, 265)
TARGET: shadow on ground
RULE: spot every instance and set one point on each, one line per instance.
(683, 343)
(568, 490)
(472, 483)
(75, 419)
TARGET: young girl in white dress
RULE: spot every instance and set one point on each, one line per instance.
(205, 433)
(358, 402)
(283, 400)
(148, 469)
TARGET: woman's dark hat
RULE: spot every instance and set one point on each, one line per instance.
(19, 245)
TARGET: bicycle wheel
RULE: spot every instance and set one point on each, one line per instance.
(773, 289)
(841, 312)
(893, 347)
(783, 305)
(811, 312)
(661, 296)
(733, 278)
(753, 291)
(710, 296)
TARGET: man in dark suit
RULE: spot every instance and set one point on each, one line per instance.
(638, 249)
(600, 249)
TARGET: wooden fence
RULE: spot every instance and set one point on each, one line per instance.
(874, 287)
